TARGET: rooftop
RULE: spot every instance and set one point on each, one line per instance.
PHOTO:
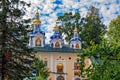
(65, 48)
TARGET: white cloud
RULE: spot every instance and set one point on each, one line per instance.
(48, 37)
(48, 8)
(106, 22)
(67, 3)
(83, 12)
(106, 7)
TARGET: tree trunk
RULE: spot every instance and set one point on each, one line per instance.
(3, 48)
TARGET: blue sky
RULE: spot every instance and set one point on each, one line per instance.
(51, 9)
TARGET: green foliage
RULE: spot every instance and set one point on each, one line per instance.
(105, 57)
(16, 56)
(41, 68)
(92, 28)
(89, 28)
(105, 61)
(68, 23)
(113, 33)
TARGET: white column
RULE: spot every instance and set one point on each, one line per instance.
(73, 70)
(51, 62)
(34, 39)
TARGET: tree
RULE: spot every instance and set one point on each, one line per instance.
(105, 59)
(113, 33)
(42, 70)
(92, 28)
(68, 23)
(16, 58)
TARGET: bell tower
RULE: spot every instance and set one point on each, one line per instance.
(75, 41)
(37, 36)
(56, 40)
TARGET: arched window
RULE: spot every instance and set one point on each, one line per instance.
(52, 45)
(57, 45)
(77, 79)
(60, 67)
(38, 42)
(46, 63)
(77, 73)
(77, 46)
(72, 46)
(76, 66)
(60, 78)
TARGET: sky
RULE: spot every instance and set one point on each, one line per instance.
(50, 9)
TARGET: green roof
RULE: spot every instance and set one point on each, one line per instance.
(47, 48)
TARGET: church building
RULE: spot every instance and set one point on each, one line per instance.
(60, 58)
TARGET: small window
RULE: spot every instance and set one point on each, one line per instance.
(60, 57)
(45, 62)
(77, 72)
(77, 46)
(76, 66)
(69, 58)
(77, 79)
(60, 78)
(57, 45)
(38, 42)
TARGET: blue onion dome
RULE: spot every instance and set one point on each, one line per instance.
(36, 32)
(56, 34)
(75, 37)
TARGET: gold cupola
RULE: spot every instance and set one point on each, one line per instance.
(36, 21)
(75, 30)
(56, 27)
